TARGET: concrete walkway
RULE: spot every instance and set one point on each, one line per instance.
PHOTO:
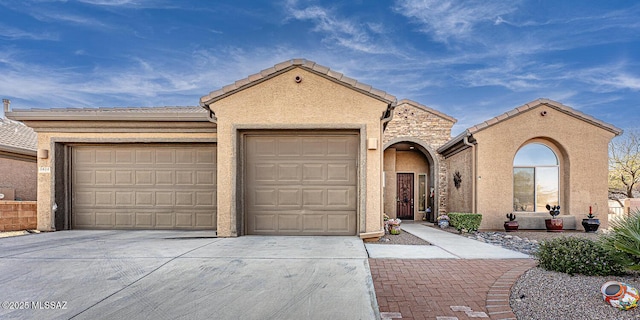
(445, 245)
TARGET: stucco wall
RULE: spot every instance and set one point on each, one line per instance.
(314, 103)
(390, 182)
(461, 199)
(47, 140)
(20, 175)
(412, 122)
(581, 147)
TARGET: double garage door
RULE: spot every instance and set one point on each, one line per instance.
(301, 184)
(144, 186)
(294, 184)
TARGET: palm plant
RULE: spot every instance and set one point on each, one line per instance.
(625, 238)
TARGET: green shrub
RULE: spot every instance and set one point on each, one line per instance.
(468, 222)
(624, 239)
(578, 255)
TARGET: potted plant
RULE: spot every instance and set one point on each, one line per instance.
(554, 224)
(512, 224)
(443, 221)
(590, 224)
(394, 226)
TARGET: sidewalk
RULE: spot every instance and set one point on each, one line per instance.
(445, 245)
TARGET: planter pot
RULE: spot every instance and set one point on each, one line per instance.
(511, 226)
(443, 223)
(620, 295)
(591, 225)
(553, 225)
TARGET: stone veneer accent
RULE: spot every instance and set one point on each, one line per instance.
(18, 215)
(413, 121)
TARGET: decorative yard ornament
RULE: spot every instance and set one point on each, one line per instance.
(457, 179)
(620, 295)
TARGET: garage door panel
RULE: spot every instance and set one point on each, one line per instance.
(263, 223)
(144, 219)
(144, 156)
(205, 178)
(124, 178)
(104, 177)
(105, 218)
(125, 156)
(144, 187)
(339, 222)
(104, 198)
(289, 222)
(295, 182)
(143, 177)
(165, 198)
(289, 146)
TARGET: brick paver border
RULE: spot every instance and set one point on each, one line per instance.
(498, 306)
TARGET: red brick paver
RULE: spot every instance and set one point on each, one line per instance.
(427, 289)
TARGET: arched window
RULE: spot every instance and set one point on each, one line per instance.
(535, 178)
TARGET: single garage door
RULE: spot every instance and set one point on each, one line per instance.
(299, 184)
(144, 186)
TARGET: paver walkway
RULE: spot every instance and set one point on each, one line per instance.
(446, 289)
(453, 279)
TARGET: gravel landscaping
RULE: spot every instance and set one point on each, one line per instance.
(542, 294)
(404, 238)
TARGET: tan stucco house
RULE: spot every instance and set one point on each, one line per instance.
(18, 171)
(298, 149)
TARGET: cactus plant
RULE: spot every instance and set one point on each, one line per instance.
(553, 211)
(511, 225)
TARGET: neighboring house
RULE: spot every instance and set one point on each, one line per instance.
(18, 167)
(299, 149)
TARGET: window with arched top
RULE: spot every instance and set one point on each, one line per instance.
(536, 180)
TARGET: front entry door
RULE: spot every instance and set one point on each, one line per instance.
(404, 208)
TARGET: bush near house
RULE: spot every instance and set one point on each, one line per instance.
(578, 255)
(624, 240)
(468, 222)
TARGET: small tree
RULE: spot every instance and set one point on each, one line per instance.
(624, 163)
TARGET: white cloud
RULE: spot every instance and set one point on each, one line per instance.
(452, 19)
(12, 33)
(608, 78)
(348, 33)
(117, 3)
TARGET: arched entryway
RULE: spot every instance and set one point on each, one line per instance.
(410, 190)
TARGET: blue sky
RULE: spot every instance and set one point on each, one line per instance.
(470, 59)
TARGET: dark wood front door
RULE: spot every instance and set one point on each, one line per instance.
(404, 208)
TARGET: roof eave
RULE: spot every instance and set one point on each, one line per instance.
(454, 141)
(38, 115)
(285, 66)
(20, 151)
(551, 104)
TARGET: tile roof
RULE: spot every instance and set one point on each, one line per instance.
(549, 103)
(288, 65)
(189, 109)
(523, 108)
(434, 111)
(187, 113)
(17, 137)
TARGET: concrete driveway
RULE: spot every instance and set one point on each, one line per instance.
(183, 275)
